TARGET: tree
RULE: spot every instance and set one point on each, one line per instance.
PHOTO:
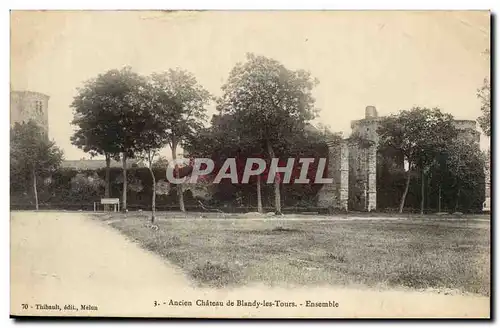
(86, 186)
(160, 162)
(223, 140)
(180, 101)
(271, 103)
(147, 148)
(110, 112)
(162, 187)
(419, 135)
(484, 95)
(32, 155)
(94, 124)
(465, 162)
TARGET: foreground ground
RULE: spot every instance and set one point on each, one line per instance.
(449, 255)
(70, 258)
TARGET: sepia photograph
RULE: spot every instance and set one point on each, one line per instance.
(250, 164)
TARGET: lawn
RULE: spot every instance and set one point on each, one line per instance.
(420, 253)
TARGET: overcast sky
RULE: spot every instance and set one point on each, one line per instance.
(392, 60)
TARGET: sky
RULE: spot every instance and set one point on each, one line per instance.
(393, 60)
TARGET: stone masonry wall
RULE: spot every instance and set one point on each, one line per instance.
(335, 195)
(363, 162)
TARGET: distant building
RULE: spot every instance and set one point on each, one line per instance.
(29, 105)
(95, 164)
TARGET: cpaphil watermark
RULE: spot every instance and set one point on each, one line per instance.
(253, 167)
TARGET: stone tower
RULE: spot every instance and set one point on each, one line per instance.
(467, 130)
(29, 105)
(363, 162)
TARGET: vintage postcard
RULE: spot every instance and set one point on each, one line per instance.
(250, 164)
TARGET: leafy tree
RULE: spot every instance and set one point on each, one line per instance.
(110, 112)
(92, 131)
(83, 185)
(160, 162)
(180, 101)
(271, 104)
(484, 94)
(135, 184)
(162, 187)
(223, 140)
(465, 162)
(32, 155)
(147, 148)
(419, 135)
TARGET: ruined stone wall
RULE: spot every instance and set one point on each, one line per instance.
(344, 176)
(335, 195)
(372, 178)
(487, 179)
(363, 162)
(357, 177)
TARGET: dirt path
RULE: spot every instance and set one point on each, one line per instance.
(70, 259)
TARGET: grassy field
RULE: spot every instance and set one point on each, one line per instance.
(448, 255)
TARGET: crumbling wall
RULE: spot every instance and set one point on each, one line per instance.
(363, 162)
(335, 195)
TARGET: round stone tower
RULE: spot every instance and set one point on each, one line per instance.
(370, 112)
(29, 105)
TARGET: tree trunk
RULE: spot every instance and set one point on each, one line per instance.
(34, 189)
(106, 186)
(439, 199)
(277, 195)
(153, 200)
(457, 202)
(422, 191)
(403, 197)
(259, 195)
(124, 162)
(180, 193)
(428, 192)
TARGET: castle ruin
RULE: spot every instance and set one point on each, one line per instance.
(354, 163)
